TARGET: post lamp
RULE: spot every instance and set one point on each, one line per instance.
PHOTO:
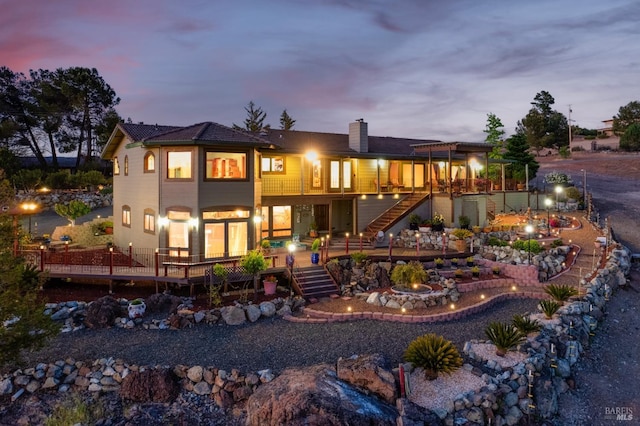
(558, 192)
(361, 242)
(390, 246)
(290, 261)
(29, 209)
(529, 230)
(547, 203)
(347, 243)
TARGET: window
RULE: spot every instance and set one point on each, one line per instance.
(179, 165)
(149, 221)
(226, 165)
(226, 232)
(273, 164)
(178, 232)
(116, 166)
(149, 162)
(126, 165)
(126, 216)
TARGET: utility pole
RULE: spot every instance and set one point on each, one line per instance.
(570, 129)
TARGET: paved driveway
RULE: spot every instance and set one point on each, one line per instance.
(46, 222)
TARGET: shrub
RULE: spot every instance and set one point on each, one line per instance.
(556, 243)
(265, 244)
(549, 307)
(409, 273)
(573, 193)
(560, 293)
(532, 246)
(415, 219)
(434, 354)
(73, 410)
(475, 271)
(464, 221)
(526, 325)
(73, 210)
(358, 257)
(458, 273)
(503, 336)
(439, 261)
(315, 245)
(495, 241)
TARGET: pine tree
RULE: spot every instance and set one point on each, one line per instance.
(255, 119)
(517, 149)
(286, 122)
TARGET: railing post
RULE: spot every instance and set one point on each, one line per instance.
(156, 260)
(110, 260)
(41, 258)
(66, 252)
(273, 261)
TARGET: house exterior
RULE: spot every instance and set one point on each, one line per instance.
(208, 191)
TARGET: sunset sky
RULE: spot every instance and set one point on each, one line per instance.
(418, 68)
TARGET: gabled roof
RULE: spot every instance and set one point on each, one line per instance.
(207, 133)
(295, 141)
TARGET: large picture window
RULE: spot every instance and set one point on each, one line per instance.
(226, 165)
(273, 165)
(179, 165)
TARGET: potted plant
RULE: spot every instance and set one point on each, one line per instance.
(313, 229)
(496, 270)
(464, 221)
(439, 262)
(475, 271)
(437, 222)
(471, 261)
(253, 263)
(107, 227)
(425, 225)
(476, 229)
(455, 261)
(461, 235)
(136, 308)
(265, 245)
(270, 283)
(458, 273)
(315, 248)
(414, 221)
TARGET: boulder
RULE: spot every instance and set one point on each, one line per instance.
(233, 315)
(268, 309)
(153, 385)
(253, 313)
(161, 302)
(314, 396)
(103, 312)
(370, 373)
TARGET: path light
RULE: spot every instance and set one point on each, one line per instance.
(404, 310)
(547, 203)
(482, 296)
(453, 306)
(529, 229)
(514, 288)
(348, 308)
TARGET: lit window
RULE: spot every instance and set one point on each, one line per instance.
(149, 162)
(179, 165)
(126, 165)
(149, 221)
(226, 165)
(273, 164)
(116, 166)
(281, 221)
(126, 216)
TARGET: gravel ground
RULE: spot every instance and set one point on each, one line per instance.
(274, 344)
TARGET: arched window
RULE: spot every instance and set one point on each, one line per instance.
(126, 165)
(116, 166)
(126, 216)
(149, 221)
(149, 162)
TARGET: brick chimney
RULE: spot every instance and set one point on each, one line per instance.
(358, 136)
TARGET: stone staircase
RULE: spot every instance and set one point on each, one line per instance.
(315, 282)
(393, 215)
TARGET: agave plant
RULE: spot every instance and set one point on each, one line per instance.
(549, 307)
(503, 336)
(434, 354)
(526, 325)
(561, 293)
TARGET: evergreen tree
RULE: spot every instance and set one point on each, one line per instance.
(255, 119)
(517, 149)
(286, 122)
(544, 127)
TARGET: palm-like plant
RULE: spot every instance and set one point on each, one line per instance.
(561, 293)
(526, 325)
(434, 354)
(503, 336)
(549, 307)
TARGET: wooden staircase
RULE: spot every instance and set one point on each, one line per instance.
(314, 282)
(390, 217)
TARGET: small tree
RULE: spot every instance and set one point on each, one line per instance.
(253, 263)
(73, 210)
(286, 122)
